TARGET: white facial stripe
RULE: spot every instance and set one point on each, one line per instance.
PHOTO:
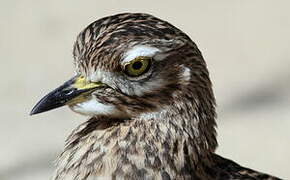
(93, 107)
(139, 50)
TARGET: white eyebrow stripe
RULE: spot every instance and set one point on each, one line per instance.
(139, 50)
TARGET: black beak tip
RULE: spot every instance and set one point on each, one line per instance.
(43, 105)
(36, 110)
(33, 111)
(47, 103)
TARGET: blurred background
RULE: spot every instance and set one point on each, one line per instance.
(245, 44)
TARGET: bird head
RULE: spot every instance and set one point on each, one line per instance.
(129, 65)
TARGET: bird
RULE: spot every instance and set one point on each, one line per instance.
(145, 88)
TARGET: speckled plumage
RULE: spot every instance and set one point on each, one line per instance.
(163, 125)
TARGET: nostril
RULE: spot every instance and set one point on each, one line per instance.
(68, 92)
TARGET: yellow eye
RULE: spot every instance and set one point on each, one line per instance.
(138, 66)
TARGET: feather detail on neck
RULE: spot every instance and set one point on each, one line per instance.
(136, 147)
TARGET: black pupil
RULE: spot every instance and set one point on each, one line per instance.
(137, 65)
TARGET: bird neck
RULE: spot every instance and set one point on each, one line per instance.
(174, 141)
(188, 124)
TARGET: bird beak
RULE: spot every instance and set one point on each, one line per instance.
(73, 91)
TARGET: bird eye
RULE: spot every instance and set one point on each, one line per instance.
(138, 66)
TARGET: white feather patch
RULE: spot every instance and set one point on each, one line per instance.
(186, 74)
(93, 107)
(139, 50)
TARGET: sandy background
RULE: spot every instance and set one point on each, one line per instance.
(245, 43)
